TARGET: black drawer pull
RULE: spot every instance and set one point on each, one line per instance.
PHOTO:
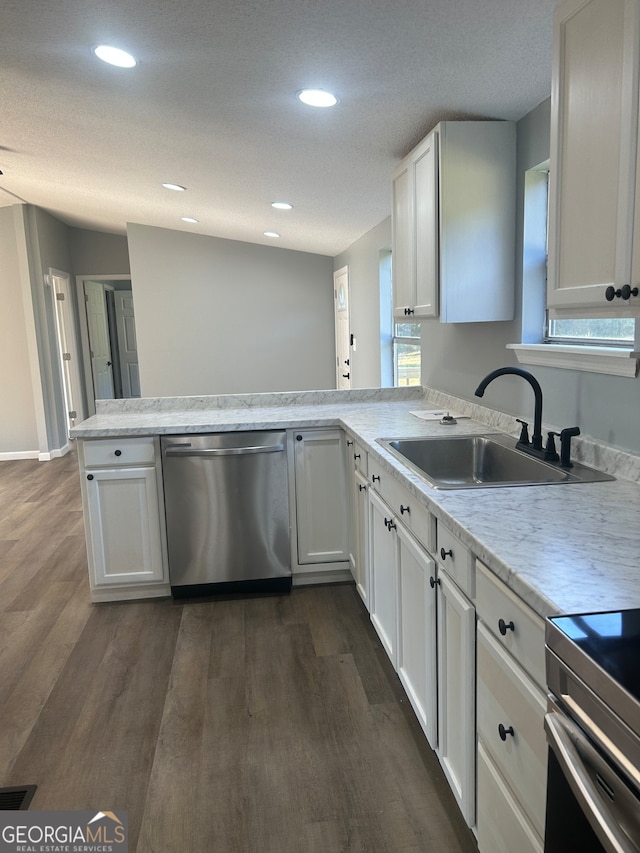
(444, 554)
(503, 627)
(433, 581)
(117, 453)
(89, 476)
(374, 478)
(404, 509)
(361, 487)
(504, 732)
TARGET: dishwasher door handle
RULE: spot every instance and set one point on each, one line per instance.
(183, 450)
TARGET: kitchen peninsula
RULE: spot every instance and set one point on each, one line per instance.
(562, 548)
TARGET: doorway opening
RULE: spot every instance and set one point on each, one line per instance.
(107, 324)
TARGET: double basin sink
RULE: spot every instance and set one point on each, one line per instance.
(482, 461)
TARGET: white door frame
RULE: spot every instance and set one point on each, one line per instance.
(68, 349)
(84, 330)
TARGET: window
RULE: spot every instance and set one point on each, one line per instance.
(604, 332)
(406, 354)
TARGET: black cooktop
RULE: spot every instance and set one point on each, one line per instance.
(611, 640)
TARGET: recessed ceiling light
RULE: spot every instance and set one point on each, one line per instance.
(281, 205)
(189, 219)
(317, 98)
(114, 56)
(175, 187)
(271, 234)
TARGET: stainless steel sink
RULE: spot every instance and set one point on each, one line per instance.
(481, 461)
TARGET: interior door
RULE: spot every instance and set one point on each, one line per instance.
(127, 346)
(99, 340)
(342, 327)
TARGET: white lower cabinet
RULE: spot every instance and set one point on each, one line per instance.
(319, 496)
(456, 692)
(124, 520)
(417, 664)
(383, 558)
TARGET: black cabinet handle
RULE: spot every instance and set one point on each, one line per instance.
(117, 452)
(356, 456)
(623, 292)
(404, 509)
(444, 554)
(89, 476)
(503, 627)
(408, 311)
(298, 438)
(361, 487)
(349, 442)
(375, 477)
(433, 581)
(504, 732)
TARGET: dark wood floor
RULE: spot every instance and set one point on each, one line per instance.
(255, 725)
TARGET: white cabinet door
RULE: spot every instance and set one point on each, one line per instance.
(360, 535)
(453, 224)
(456, 693)
(594, 123)
(402, 240)
(321, 493)
(417, 659)
(124, 525)
(383, 557)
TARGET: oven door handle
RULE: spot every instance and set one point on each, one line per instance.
(563, 735)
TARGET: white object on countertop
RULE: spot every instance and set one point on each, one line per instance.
(436, 414)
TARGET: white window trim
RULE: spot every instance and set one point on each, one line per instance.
(614, 361)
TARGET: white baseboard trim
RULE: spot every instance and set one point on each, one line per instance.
(9, 456)
(54, 454)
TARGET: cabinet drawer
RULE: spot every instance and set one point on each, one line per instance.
(359, 456)
(502, 827)
(507, 697)
(119, 451)
(409, 510)
(456, 559)
(502, 611)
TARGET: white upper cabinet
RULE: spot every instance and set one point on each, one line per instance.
(594, 212)
(453, 224)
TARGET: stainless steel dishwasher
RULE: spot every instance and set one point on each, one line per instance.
(227, 512)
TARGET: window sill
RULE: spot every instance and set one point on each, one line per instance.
(610, 360)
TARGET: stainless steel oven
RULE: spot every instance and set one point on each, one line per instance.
(593, 731)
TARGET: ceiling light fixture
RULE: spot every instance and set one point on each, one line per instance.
(115, 56)
(189, 219)
(175, 187)
(271, 234)
(317, 98)
(281, 205)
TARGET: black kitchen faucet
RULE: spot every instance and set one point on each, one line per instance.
(534, 447)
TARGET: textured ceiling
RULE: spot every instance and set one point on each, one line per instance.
(211, 105)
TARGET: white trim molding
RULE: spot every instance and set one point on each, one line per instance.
(613, 361)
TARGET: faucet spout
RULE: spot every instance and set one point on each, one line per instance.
(536, 438)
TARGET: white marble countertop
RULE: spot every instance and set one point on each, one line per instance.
(562, 548)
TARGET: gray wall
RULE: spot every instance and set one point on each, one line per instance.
(218, 316)
(18, 432)
(96, 253)
(363, 260)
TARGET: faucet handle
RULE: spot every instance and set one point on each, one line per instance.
(565, 445)
(524, 432)
(550, 453)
